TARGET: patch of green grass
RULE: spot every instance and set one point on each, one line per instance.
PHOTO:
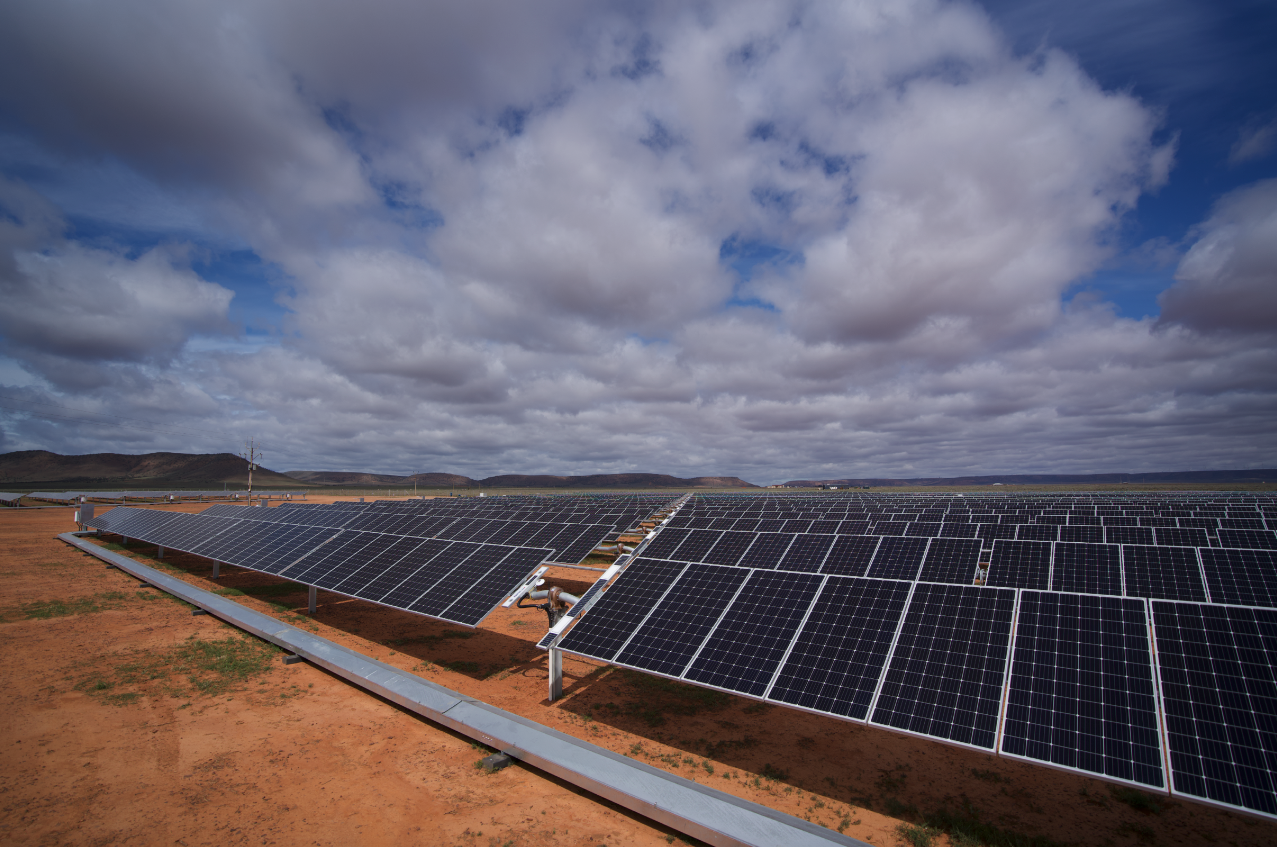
(1137, 800)
(773, 773)
(228, 592)
(46, 609)
(918, 836)
(194, 667)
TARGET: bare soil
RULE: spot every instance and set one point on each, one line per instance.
(127, 719)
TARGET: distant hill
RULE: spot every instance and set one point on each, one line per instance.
(1171, 477)
(43, 469)
(443, 480)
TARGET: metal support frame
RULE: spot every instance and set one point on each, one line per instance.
(217, 567)
(313, 592)
(556, 674)
(159, 555)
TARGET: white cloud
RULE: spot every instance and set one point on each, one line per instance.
(502, 226)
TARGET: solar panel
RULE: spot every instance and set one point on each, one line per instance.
(669, 637)
(1082, 534)
(1020, 564)
(946, 672)
(1254, 539)
(1128, 535)
(951, 560)
(1087, 568)
(1081, 694)
(697, 544)
(749, 642)
(1181, 537)
(1241, 577)
(432, 565)
(621, 609)
(835, 662)
(1037, 532)
(807, 553)
(850, 555)
(1219, 693)
(767, 550)
(898, 558)
(1168, 573)
(729, 549)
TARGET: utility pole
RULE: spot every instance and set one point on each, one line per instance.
(253, 456)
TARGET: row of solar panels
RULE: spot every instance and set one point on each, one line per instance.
(1070, 680)
(570, 542)
(1229, 575)
(1151, 531)
(456, 581)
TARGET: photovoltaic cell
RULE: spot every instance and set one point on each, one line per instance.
(1081, 694)
(622, 607)
(1167, 573)
(945, 675)
(951, 560)
(840, 651)
(850, 555)
(747, 645)
(667, 639)
(1241, 577)
(1087, 568)
(1219, 691)
(898, 558)
(665, 543)
(1020, 564)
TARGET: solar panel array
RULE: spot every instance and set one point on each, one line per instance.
(980, 622)
(447, 559)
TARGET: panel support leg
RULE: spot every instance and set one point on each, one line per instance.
(161, 553)
(556, 674)
(217, 567)
(313, 592)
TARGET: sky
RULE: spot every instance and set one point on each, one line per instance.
(773, 240)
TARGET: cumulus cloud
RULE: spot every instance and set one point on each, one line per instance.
(1228, 279)
(756, 238)
(65, 300)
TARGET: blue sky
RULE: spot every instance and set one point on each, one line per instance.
(771, 240)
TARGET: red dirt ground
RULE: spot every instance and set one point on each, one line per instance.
(96, 752)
